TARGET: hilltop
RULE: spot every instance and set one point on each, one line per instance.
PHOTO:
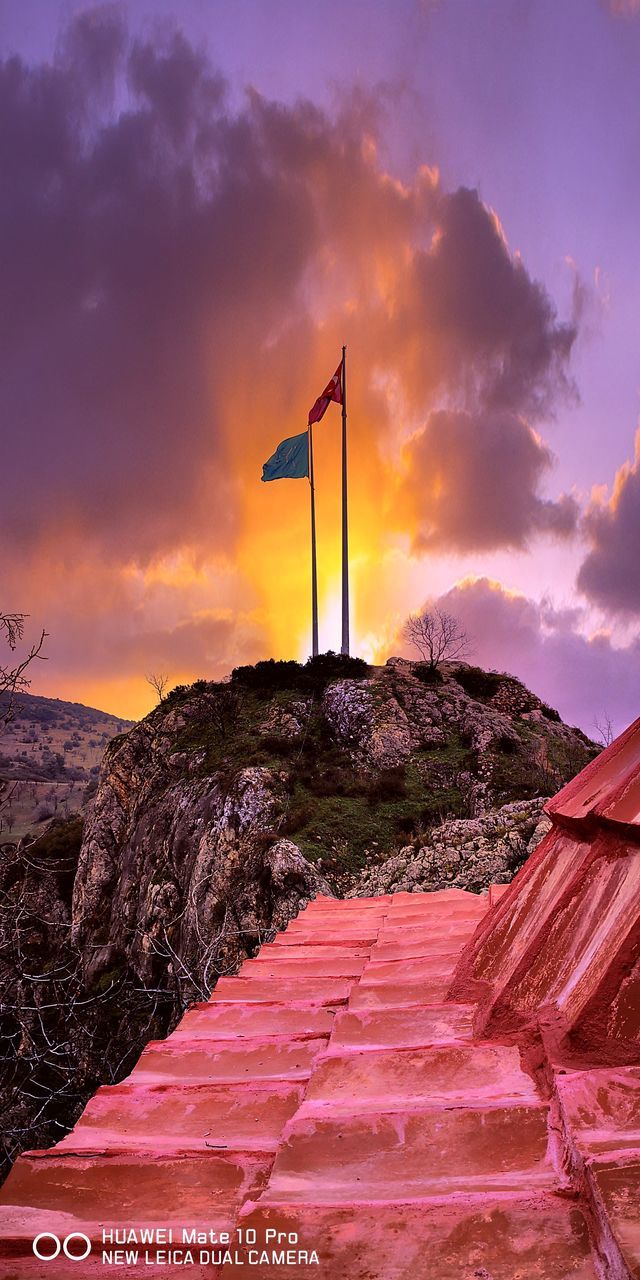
(50, 755)
(363, 762)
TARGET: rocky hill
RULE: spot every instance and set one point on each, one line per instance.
(50, 753)
(222, 813)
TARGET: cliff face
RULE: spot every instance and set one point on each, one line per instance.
(223, 813)
(178, 873)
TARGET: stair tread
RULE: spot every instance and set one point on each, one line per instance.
(532, 1236)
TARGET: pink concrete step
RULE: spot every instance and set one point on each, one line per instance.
(398, 995)
(204, 1062)
(420, 948)
(601, 1112)
(464, 1075)
(309, 950)
(261, 990)
(334, 919)
(406, 1155)
(280, 966)
(350, 936)
(451, 899)
(405, 935)
(425, 915)
(344, 908)
(401, 1028)
(528, 1236)
(50, 1192)
(443, 900)
(601, 1109)
(126, 1117)
(240, 1022)
(423, 969)
(341, 913)
(615, 1188)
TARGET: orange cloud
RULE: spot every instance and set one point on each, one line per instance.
(178, 279)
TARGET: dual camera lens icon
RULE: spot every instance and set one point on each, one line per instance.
(76, 1246)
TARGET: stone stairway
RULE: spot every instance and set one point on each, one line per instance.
(418, 1151)
(326, 1101)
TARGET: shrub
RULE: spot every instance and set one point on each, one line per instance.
(330, 666)
(277, 745)
(549, 712)
(273, 676)
(478, 683)
(268, 676)
(176, 696)
(62, 839)
(426, 673)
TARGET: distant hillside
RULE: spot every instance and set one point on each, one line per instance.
(50, 757)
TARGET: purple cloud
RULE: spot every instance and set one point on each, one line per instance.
(585, 679)
(610, 574)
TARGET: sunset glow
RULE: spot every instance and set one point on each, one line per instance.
(220, 216)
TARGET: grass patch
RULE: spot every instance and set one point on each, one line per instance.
(364, 814)
(226, 743)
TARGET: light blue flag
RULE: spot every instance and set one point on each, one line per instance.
(290, 460)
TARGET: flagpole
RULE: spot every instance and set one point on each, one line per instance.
(345, 527)
(314, 562)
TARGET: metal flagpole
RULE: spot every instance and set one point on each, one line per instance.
(345, 527)
(314, 562)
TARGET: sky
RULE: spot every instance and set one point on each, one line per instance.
(201, 202)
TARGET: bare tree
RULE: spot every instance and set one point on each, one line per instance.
(604, 729)
(437, 636)
(158, 681)
(13, 679)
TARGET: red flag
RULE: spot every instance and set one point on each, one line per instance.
(333, 391)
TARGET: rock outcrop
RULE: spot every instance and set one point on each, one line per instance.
(461, 854)
(221, 815)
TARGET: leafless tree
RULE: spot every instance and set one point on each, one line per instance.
(13, 679)
(158, 681)
(604, 729)
(13, 676)
(437, 636)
